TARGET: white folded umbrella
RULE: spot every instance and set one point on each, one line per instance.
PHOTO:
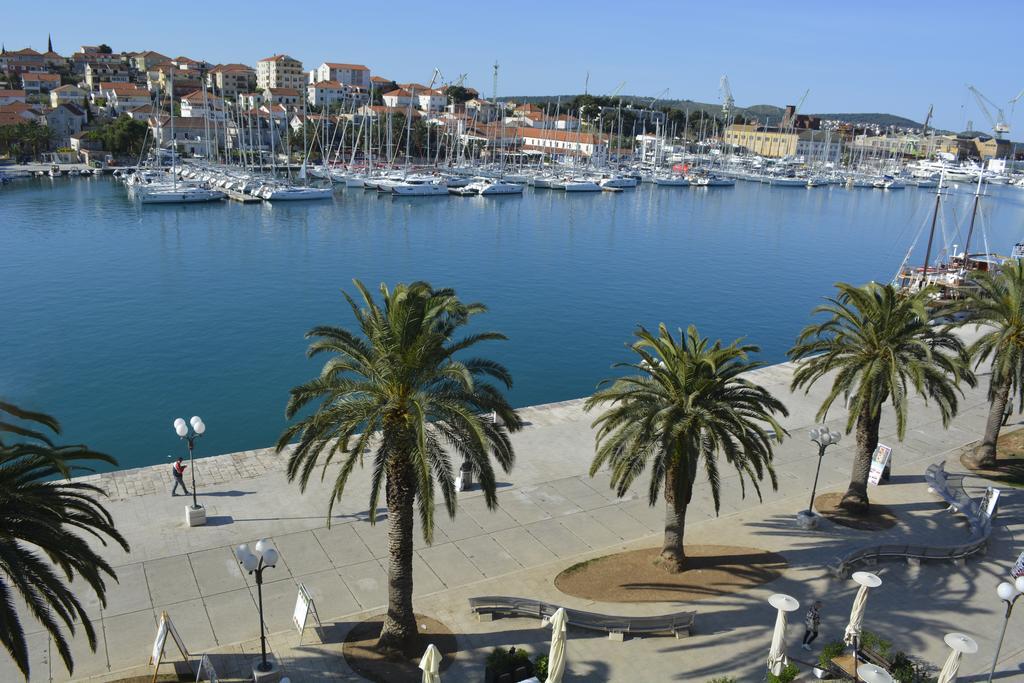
(431, 665)
(867, 581)
(556, 656)
(777, 654)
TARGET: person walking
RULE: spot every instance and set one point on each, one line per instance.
(811, 622)
(178, 470)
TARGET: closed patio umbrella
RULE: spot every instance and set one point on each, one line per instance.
(867, 580)
(431, 665)
(777, 653)
(556, 656)
(959, 645)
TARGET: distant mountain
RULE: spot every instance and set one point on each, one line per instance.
(877, 119)
(762, 112)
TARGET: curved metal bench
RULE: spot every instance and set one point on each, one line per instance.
(678, 624)
(939, 482)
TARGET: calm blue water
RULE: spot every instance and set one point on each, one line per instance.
(118, 318)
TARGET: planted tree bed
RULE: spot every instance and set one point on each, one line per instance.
(361, 654)
(1009, 467)
(635, 576)
(878, 517)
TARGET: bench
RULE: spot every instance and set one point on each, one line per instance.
(678, 624)
(940, 483)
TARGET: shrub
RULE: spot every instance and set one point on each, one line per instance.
(787, 676)
(540, 667)
(906, 670)
(502, 661)
(870, 640)
(830, 652)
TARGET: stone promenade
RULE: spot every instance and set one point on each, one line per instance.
(551, 515)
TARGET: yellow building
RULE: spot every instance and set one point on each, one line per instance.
(766, 142)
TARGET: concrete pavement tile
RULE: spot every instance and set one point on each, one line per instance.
(425, 581)
(87, 662)
(331, 596)
(439, 535)
(557, 538)
(651, 517)
(522, 546)
(488, 520)
(488, 556)
(127, 635)
(233, 616)
(217, 571)
(450, 565)
(585, 526)
(278, 605)
(367, 581)
(521, 508)
(192, 622)
(303, 552)
(131, 591)
(624, 525)
(374, 537)
(550, 499)
(456, 529)
(343, 545)
(170, 580)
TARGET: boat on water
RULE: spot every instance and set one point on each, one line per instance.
(671, 181)
(420, 186)
(712, 181)
(164, 194)
(785, 181)
(290, 193)
(618, 181)
(488, 187)
(579, 185)
(888, 182)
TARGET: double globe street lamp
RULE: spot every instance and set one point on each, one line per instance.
(195, 515)
(262, 556)
(1008, 593)
(824, 437)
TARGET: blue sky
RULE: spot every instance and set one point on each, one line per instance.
(898, 56)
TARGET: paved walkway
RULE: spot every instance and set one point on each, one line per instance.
(551, 515)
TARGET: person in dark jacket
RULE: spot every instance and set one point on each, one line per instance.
(178, 470)
(811, 622)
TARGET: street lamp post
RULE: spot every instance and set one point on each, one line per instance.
(824, 437)
(256, 563)
(1008, 593)
(191, 431)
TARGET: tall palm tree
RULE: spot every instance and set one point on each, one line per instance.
(398, 395)
(42, 510)
(686, 404)
(877, 344)
(998, 306)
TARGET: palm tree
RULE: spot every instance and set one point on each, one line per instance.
(687, 404)
(997, 306)
(42, 510)
(398, 395)
(877, 345)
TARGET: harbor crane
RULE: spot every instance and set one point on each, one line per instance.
(999, 126)
(728, 103)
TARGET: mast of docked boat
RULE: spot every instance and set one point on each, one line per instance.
(174, 143)
(974, 215)
(931, 233)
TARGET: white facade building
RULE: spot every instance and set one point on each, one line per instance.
(346, 74)
(279, 71)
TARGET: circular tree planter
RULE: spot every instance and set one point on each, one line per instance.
(362, 656)
(634, 576)
(878, 518)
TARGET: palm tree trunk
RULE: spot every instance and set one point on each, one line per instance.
(984, 456)
(855, 500)
(399, 622)
(673, 556)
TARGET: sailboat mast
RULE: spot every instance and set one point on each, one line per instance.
(931, 234)
(974, 215)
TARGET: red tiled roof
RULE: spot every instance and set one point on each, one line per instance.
(352, 67)
(10, 119)
(12, 93)
(278, 58)
(323, 85)
(40, 77)
(398, 93)
(284, 92)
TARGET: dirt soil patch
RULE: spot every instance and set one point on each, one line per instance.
(878, 518)
(1009, 469)
(633, 576)
(360, 653)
